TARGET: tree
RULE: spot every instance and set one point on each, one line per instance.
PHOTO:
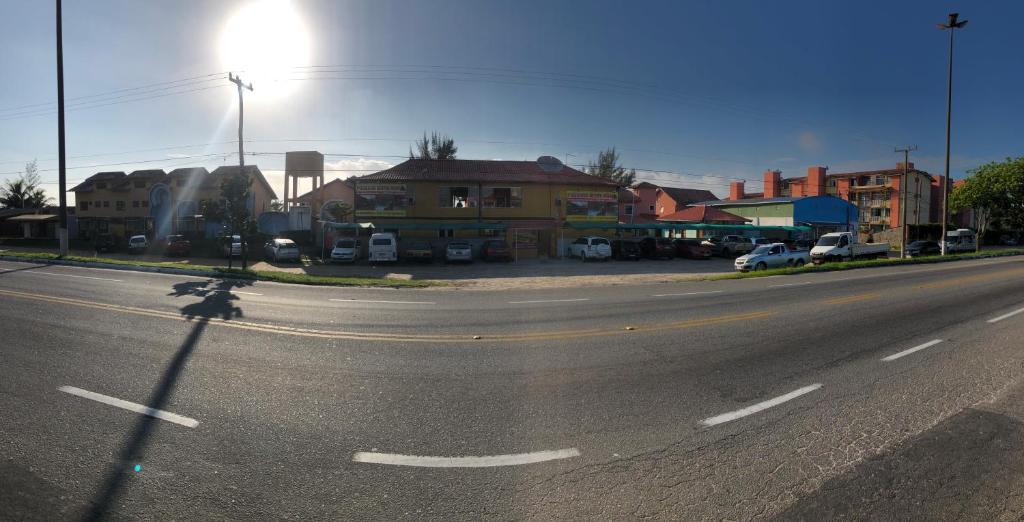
(339, 211)
(994, 190)
(25, 190)
(607, 166)
(232, 210)
(437, 147)
(276, 205)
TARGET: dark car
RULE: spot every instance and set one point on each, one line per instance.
(657, 248)
(623, 249)
(105, 243)
(923, 248)
(419, 251)
(177, 245)
(496, 250)
(691, 249)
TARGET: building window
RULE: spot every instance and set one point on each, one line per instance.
(491, 232)
(502, 197)
(879, 180)
(651, 208)
(456, 197)
(145, 203)
(103, 226)
(135, 203)
(628, 209)
(120, 205)
(106, 204)
(83, 205)
(832, 182)
(101, 186)
(140, 183)
(445, 233)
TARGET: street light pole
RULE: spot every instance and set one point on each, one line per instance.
(237, 80)
(62, 176)
(951, 27)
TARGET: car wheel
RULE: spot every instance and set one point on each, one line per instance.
(760, 266)
(799, 263)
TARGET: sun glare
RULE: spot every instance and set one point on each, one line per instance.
(264, 41)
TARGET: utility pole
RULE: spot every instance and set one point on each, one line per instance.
(62, 179)
(903, 198)
(952, 26)
(237, 80)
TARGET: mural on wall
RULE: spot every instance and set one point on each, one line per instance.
(382, 199)
(591, 206)
(160, 210)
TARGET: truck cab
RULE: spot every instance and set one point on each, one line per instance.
(843, 246)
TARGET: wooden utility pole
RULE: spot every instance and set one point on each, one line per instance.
(904, 186)
(62, 176)
(237, 80)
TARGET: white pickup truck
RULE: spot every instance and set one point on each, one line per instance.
(775, 255)
(843, 246)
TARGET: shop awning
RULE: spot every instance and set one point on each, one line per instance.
(440, 226)
(681, 226)
(347, 226)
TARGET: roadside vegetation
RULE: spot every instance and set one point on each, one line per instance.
(871, 263)
(236, 273)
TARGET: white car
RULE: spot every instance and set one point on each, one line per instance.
(591, 247)
(458, 251)
(281, 250)
(232, 247)
(775, 255)
(137, 244)
(346, 250)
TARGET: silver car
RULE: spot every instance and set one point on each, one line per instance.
(458, 251)
(281, 250)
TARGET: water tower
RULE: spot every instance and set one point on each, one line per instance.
(301, 164)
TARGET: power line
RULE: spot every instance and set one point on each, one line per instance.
(113, 101)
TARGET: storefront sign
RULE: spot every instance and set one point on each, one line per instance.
(381, 199)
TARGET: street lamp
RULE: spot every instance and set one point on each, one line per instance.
(953, 24)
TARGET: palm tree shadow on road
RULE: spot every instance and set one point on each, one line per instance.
(217, 302)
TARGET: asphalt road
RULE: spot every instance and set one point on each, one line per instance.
(889, 393)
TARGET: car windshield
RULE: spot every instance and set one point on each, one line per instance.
(511, 260)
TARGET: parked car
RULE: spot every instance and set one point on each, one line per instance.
(1008, 240)
(137, 244)
(177, 245)
(496, 250)
(383, 247)
(105, 243)
(776, 255)
(231, 246)
(729, 245)
(843, 246)
(458, 251)
(623, 249)
(657, 248)
(691, 249)
(799, 244)
(923, 248)
(591, 247)
(418, 251)
(761, 241)
(346, 250)
(281, 250)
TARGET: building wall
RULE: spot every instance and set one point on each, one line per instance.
(768, 214)
(330, 192)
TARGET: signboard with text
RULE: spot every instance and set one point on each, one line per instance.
(591, 206)
(374, 199)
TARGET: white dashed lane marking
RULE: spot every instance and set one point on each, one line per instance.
(1006, 316)
(518, 459)
(909, 351)
(130, 406)
(761, 406)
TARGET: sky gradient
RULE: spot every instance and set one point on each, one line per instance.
(694, 93)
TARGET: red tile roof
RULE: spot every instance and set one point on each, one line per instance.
(685, 196)
(488, 171)
(703, 214)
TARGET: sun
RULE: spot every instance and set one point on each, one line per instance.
(264, 41)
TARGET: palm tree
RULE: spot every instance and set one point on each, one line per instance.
(24, 191)
(437, 146)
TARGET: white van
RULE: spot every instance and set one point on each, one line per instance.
(383, 247)
(961, 240)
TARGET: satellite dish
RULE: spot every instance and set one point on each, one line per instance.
(549, 163)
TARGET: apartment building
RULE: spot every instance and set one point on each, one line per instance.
(156, 203)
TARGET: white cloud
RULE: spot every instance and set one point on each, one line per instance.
(809, 141)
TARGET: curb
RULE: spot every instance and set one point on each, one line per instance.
(128, 268)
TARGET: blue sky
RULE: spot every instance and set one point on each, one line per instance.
(708, 91)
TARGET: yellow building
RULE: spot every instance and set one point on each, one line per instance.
(156, 203)
(528, 203)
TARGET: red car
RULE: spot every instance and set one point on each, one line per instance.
(177, 246)
(691, 249)
(496, 250)
(657, 248)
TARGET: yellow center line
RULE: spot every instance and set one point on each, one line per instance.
(853, 298)
(369, 336)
